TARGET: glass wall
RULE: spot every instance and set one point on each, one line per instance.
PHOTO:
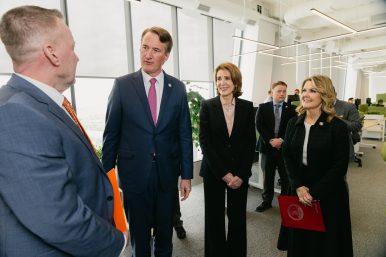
(193, 47)
(100, 37)
(103, 35)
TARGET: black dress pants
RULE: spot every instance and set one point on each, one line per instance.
(153, 208)
(270, 162)
(217, 243)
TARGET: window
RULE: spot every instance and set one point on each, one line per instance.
(100, 37)
(193, 47)
(222, 42)
(91, 104)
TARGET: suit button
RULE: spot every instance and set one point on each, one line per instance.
(110, 198)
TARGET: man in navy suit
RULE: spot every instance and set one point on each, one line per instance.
(271, 122)
(151, 140)
(55, 198)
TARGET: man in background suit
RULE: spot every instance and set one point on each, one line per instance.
(350, 115)
(271, 122)
(55, 198)
(152, 141)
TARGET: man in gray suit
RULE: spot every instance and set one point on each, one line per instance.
(55, 199)
(350, 115)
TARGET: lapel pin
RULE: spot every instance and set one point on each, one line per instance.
(321, 123)
(170, 85)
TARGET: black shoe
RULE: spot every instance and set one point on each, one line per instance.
(263, 206)
(180, 231)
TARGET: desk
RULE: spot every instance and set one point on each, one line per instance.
(373, 126)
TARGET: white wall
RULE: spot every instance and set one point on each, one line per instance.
(377, 85)
(257, 68)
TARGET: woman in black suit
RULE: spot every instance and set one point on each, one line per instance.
(316, 154)
(228, 140)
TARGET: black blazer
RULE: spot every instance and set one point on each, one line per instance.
(327, 155)
(265, 123)
(224, 153)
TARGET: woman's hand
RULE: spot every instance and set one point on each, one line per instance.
(235, 183)
(304, 195)
(228, 177)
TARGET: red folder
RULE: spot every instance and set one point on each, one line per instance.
(297, 215)
(119, 213)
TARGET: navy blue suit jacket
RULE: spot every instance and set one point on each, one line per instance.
(131, 138)
(55, 199)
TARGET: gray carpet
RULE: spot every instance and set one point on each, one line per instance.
(368, 215)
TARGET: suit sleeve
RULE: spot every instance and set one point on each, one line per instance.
(353, 120)
(249, 148)
(215, 162)
(185, 139)
(289, 159)
(112, 133)
(38, 186)
(262, 125)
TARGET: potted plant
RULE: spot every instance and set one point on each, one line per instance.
(194, 101)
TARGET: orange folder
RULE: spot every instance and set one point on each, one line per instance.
(119, 212)
(297, 215)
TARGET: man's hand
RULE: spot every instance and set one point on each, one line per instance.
(185, 187)
(276, 143)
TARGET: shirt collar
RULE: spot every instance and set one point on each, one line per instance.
(51, 92)
(277, 103)
(147, 77)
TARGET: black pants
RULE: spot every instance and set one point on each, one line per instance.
(269, 163)
(217, 243)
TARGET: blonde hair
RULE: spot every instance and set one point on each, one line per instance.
(325, 88)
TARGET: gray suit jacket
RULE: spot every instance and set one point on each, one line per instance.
(55, 199)
(350, 116)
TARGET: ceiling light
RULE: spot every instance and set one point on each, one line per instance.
(323, 58)
(259, 52)
(365, 52)
(328, 67)
(332, 20)
(276, 55)
(257, 42)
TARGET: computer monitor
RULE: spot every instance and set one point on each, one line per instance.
(368, 101)
(292, 98)
(357, 102)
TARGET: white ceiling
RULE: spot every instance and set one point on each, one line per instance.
(365, 49)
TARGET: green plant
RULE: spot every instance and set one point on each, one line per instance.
(98, 151)
(194, 101)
